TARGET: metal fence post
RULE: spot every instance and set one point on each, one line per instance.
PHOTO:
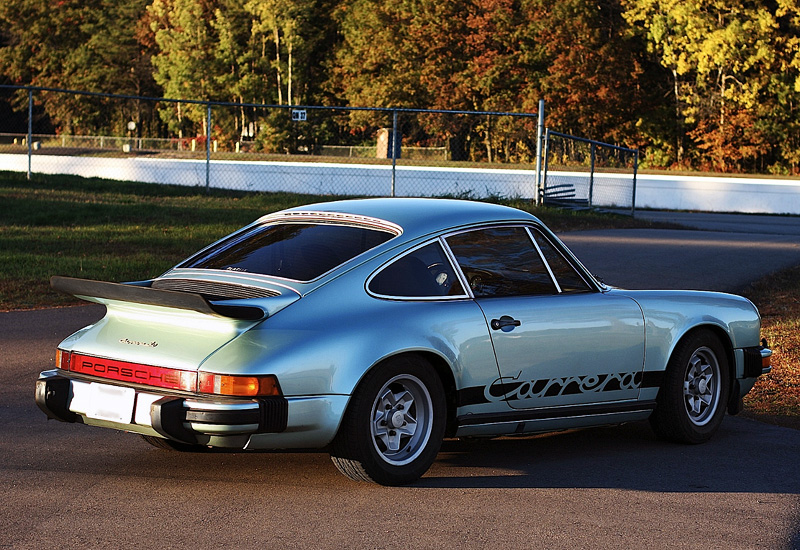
(537, 198)
(30, 130)
(393, 150)
(546, 154)
(635, 170)
(208, 146)
(592, 150)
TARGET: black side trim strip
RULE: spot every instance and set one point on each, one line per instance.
(555, 412)
(652, 379)
(476, 395)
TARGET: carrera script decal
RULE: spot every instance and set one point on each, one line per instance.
(137, 343)
(513, 389)
(502, 390)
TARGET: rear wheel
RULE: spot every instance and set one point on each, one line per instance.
(394, 425)
(691, 401)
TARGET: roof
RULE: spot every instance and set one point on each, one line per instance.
(422, 216)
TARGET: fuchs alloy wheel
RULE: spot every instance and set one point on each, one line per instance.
(692, 400)
(394, 424)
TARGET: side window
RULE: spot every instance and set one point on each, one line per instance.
(568, 279)
(425, 272)
(501, 261)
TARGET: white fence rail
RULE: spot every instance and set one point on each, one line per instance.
(663, 192)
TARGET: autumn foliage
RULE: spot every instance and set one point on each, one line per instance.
(711, 85)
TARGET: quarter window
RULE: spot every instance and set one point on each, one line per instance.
(425, 272)
(501, 261)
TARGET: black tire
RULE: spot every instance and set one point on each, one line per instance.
(394, 425)
(170, 445)
(694, 394)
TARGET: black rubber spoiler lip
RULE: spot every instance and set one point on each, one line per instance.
(87, 289)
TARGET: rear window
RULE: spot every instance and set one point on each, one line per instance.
(297, 251)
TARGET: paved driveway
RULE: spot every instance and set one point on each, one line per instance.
(728, 252)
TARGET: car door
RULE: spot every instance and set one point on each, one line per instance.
(558, 340)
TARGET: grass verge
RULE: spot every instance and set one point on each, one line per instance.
(121, 231)
(776, 396)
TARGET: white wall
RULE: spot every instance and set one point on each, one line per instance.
(668, 192)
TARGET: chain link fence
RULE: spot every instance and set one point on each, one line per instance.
(580, 172)
(253, 147)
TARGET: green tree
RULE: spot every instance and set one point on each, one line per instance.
(186, 61)
(590, 72)
(86, 45)
(729, 62)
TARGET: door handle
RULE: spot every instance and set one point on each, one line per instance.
(504, 322)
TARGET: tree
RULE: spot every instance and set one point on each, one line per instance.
(186, 61)
(724, 58)
(78, 44)
(591, 73)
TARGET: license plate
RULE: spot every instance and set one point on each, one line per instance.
(110, 403)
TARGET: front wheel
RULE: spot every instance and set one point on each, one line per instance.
(394, 425)
(691, 402)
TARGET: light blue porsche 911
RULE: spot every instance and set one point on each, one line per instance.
(375, 328)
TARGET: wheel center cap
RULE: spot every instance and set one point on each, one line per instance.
(702, 387)
(396, 419)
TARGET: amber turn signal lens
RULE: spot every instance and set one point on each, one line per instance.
(239, 386)
(63, 359)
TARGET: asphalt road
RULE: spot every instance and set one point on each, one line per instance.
(723, 252)
(72, 486)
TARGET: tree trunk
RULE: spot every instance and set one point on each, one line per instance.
(278, 64)
(678, 120)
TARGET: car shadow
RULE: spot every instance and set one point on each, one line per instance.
(744, 456)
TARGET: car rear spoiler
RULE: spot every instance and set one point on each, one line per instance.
(100, 291)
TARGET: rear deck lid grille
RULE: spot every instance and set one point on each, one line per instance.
(214, 290)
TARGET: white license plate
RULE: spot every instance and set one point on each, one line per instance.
(110, 403)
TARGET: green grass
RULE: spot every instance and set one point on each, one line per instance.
(117, 231)
(121, 231)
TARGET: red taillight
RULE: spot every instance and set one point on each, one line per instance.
(160, 377)
(241, 386)
(173, 379)
(63, 359)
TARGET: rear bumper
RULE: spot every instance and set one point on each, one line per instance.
(196, 421)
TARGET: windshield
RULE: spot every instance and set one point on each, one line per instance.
(297, 251)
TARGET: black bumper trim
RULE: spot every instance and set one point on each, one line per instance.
(53, 395)
(168, 416)
(752, 362)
